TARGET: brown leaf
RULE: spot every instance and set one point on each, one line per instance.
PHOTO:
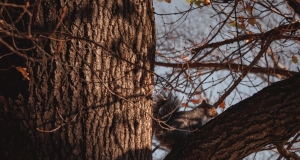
(222, 105)
(249, 8)
(185, 105)
(206, 2)
(196, 101)
(23, 71)
(294, 59)
(251, 21)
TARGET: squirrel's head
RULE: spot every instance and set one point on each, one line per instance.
(210, 110)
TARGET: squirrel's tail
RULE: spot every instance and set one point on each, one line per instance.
(165, 105)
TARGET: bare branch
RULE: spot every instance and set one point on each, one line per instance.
(230, 66)
(286, 153)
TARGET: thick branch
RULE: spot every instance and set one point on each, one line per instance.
(291, 144)
(264, 48)
(286, 153)
(295, 4)
(269, 116)
(273, 34)
(230, 66)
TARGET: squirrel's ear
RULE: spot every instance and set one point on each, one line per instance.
(203, 102)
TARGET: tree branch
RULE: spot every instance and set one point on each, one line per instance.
(267, 35)
(286, 153)
(230, 66)
(290, 144)
(269, 116)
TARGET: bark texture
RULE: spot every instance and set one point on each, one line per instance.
(90, 95)
(270, 116)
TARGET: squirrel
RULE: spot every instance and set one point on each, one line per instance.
(172, 125)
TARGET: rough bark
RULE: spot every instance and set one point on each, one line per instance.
(89, 95)
(270, 116)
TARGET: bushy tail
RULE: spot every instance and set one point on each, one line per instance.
(165, 106)
(170, 127)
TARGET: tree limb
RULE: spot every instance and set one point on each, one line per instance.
(286, 153)
(231, 67)
(269, 116)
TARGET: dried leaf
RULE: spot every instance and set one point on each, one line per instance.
(206, 2)
(222, 105)
(243, 26)
(237, 25)
(184, 58)
(189, 1)
(200, 72)
(23, 71)
(294, 59)
(196, 101)
(251, 21)
(185, 105)
(249, 8)
(241, 19)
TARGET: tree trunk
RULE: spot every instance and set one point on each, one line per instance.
(90, 90)
(270, 116)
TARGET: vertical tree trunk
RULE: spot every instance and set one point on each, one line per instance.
(89, 96)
